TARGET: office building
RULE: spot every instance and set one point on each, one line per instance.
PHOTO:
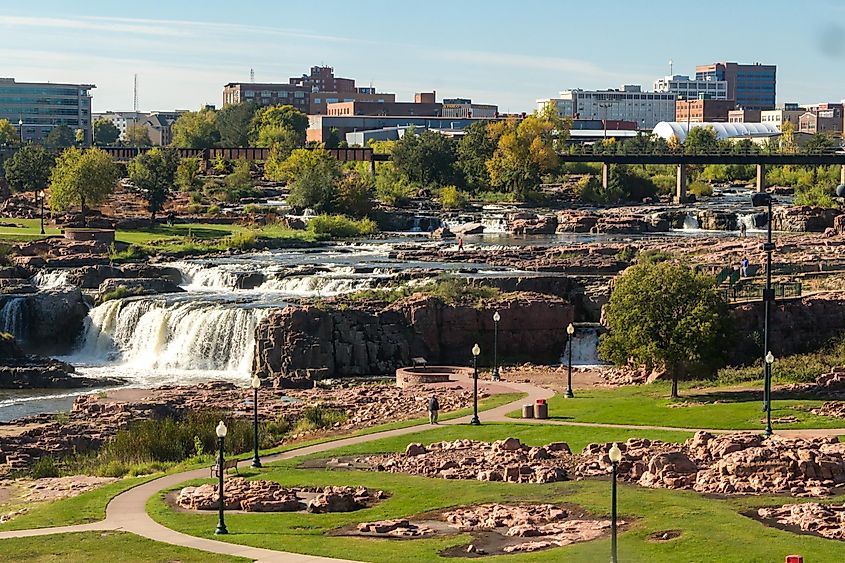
(777, 117)
(629, 103)
(692, 89)
(38, 107)
(751, 86)
(821, 118)
(267, 94)
(745, 116)
(703, 109)
(463, 107)
(122, 119)
(384, 108)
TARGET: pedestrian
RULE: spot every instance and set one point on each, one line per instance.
(433, 409)
(742, 230)
(460, 244)
(170, 218)
(743, 266)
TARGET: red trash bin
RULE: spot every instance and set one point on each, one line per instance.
(794, 559)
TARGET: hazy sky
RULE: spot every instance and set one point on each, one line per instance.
(504, 52)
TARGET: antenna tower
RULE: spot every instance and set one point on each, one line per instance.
(670, 67)
(252, 75)
(135, 96)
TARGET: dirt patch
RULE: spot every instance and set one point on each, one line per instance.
(664, 536)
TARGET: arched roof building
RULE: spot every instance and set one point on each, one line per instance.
(679, 129)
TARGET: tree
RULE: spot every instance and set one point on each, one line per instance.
(80, 177)
(701, 140)
(283, 138)
(188, 174)
(195, 129)
(233, 123)
(666, 315)
(312, 177)
(787, 138)
(9, 135)
(428, 158)
(29, 169)
(154, 172)
(820, 143)
(60, 137)
(277, 118)
(354, 194)
(105, 132)
(333, 139)
(137, 136)
(472, 153)
(525, 150)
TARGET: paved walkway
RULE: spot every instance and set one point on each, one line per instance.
(127, 511)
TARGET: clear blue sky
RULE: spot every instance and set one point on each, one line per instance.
(504, 52)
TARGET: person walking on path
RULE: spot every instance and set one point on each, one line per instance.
(743, 266)
(433, 409)
(742, 230)
(460, 244)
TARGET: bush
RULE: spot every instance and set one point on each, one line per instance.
(391, 189)
(318, 418)
(244, 240)
(44, 467)
(699, 188)
(5, 252)
(665, 183)
(817, 196)
(254, 209)
(653, 256)
(452, 198)
(213, 210)
(626, 254)
(459, 290)
(132, 252)
(341, 226)
(119, 292)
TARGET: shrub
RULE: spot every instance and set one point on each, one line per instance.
(213, 210)
(318, 418)
(626, 254)
(132, 252)
(665, 183)
(254, 209)
(341, 226)
(391, 189)
(119, 292)
(459, 290)
(699, 188)
(452, 198)
(244, 240)
(196, 209)
(44, 467)
(5, 252)
(653, 256)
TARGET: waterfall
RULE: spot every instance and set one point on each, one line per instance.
(13, 317)
(50, 279)
(585, 344)
(749, 220)
(494, 223)
(156, 333)
(324, 285)
(199, 276)
(691, 222)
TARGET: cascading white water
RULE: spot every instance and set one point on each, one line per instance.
(198, 276)
(319, 285)
(748, 221)
(585, 345)
(49, 279)
(149, 333)
(494, 223)
(12, 317)
(691, 222)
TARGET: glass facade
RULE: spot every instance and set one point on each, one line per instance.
(41, 107)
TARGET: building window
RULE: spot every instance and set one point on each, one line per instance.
(317, 100)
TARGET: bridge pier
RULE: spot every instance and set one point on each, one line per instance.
(681, 185)
(605, 174)
(761, 178)
(842, 175)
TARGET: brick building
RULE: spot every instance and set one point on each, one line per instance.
(385, 108)
(703, 110)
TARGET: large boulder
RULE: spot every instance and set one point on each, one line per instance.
(139, 286)
(54, 319)
(803, 219)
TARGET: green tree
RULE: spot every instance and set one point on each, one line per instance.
(188, 174)
(9, 134)
(278, 118)
(333, 139)
(666, 315)
(195, 129)
(787, 138)
(29, 169)
(154, 173)
(819, 142)
(105, 132)
(701, 140)
(354, 194)
(428, 158)
(280, 136)
(312, 176)
(137, 136)
(80, 177)
(60, 137)
(472, 153)
(233, 122)
(524, 151)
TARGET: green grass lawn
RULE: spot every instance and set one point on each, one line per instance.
(97, 547)
(712, 529)
(31, 230)
(650, 405)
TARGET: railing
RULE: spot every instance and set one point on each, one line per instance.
(754, 291)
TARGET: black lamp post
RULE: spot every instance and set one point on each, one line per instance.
(496, 318)
(475, 352)
(221, 436)
(765, 200)
(41, 195)
(20, 129)
(615, 455)
(570, 330)
(770, 359)
(256, 384)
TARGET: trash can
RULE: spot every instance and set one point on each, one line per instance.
(794, 559)
(541, 409)
(527, 411)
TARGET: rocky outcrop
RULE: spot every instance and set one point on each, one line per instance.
(139, 286)
(826, 520)
(298, 344)
(91, 277)
(48, 321)
(803, 219)
(839, 224)
(536, 225)
(714, 220)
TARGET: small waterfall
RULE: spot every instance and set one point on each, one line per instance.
(199, 276)
(154, 333)
(585, 345)
(691, 222)
(50, 279)
(494, 223)
(750, 221)
(325, 285)
(13, 317)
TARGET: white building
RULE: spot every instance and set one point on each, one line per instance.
(123, 119)
(777, 117)
(629, 103)
(691, 89)
(679, 130)
(464, 108)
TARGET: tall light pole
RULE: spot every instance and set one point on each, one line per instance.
(770, 359)
(765, 200)
(41, 195)
(570, 330)
(496, 318)
(20, 128)
(221, 436)
(475, 352)
(256, 384)
(615, 455)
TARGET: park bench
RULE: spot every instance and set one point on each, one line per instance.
(419, 362)
(227, 465)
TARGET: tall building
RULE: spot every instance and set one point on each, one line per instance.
(322, 79)
(38, 107)
(629, 103)
(691, 89)
(703, 110)
(752, 86)
(267, 94)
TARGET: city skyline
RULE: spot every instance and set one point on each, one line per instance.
(184, 55)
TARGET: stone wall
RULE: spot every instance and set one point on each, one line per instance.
(298, 344)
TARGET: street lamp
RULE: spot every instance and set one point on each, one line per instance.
(615, 455)
(570, 330)
(496, 318)
(20, 129)
(221, 436)
(765, 200)
(475, 352)
(256, 384)
(41, 195)
(770, 359)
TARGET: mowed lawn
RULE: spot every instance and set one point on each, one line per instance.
(717, 408)
(711, 529)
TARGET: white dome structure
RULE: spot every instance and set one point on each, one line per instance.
(679, 129)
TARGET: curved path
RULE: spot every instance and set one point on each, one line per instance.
(127, 511)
